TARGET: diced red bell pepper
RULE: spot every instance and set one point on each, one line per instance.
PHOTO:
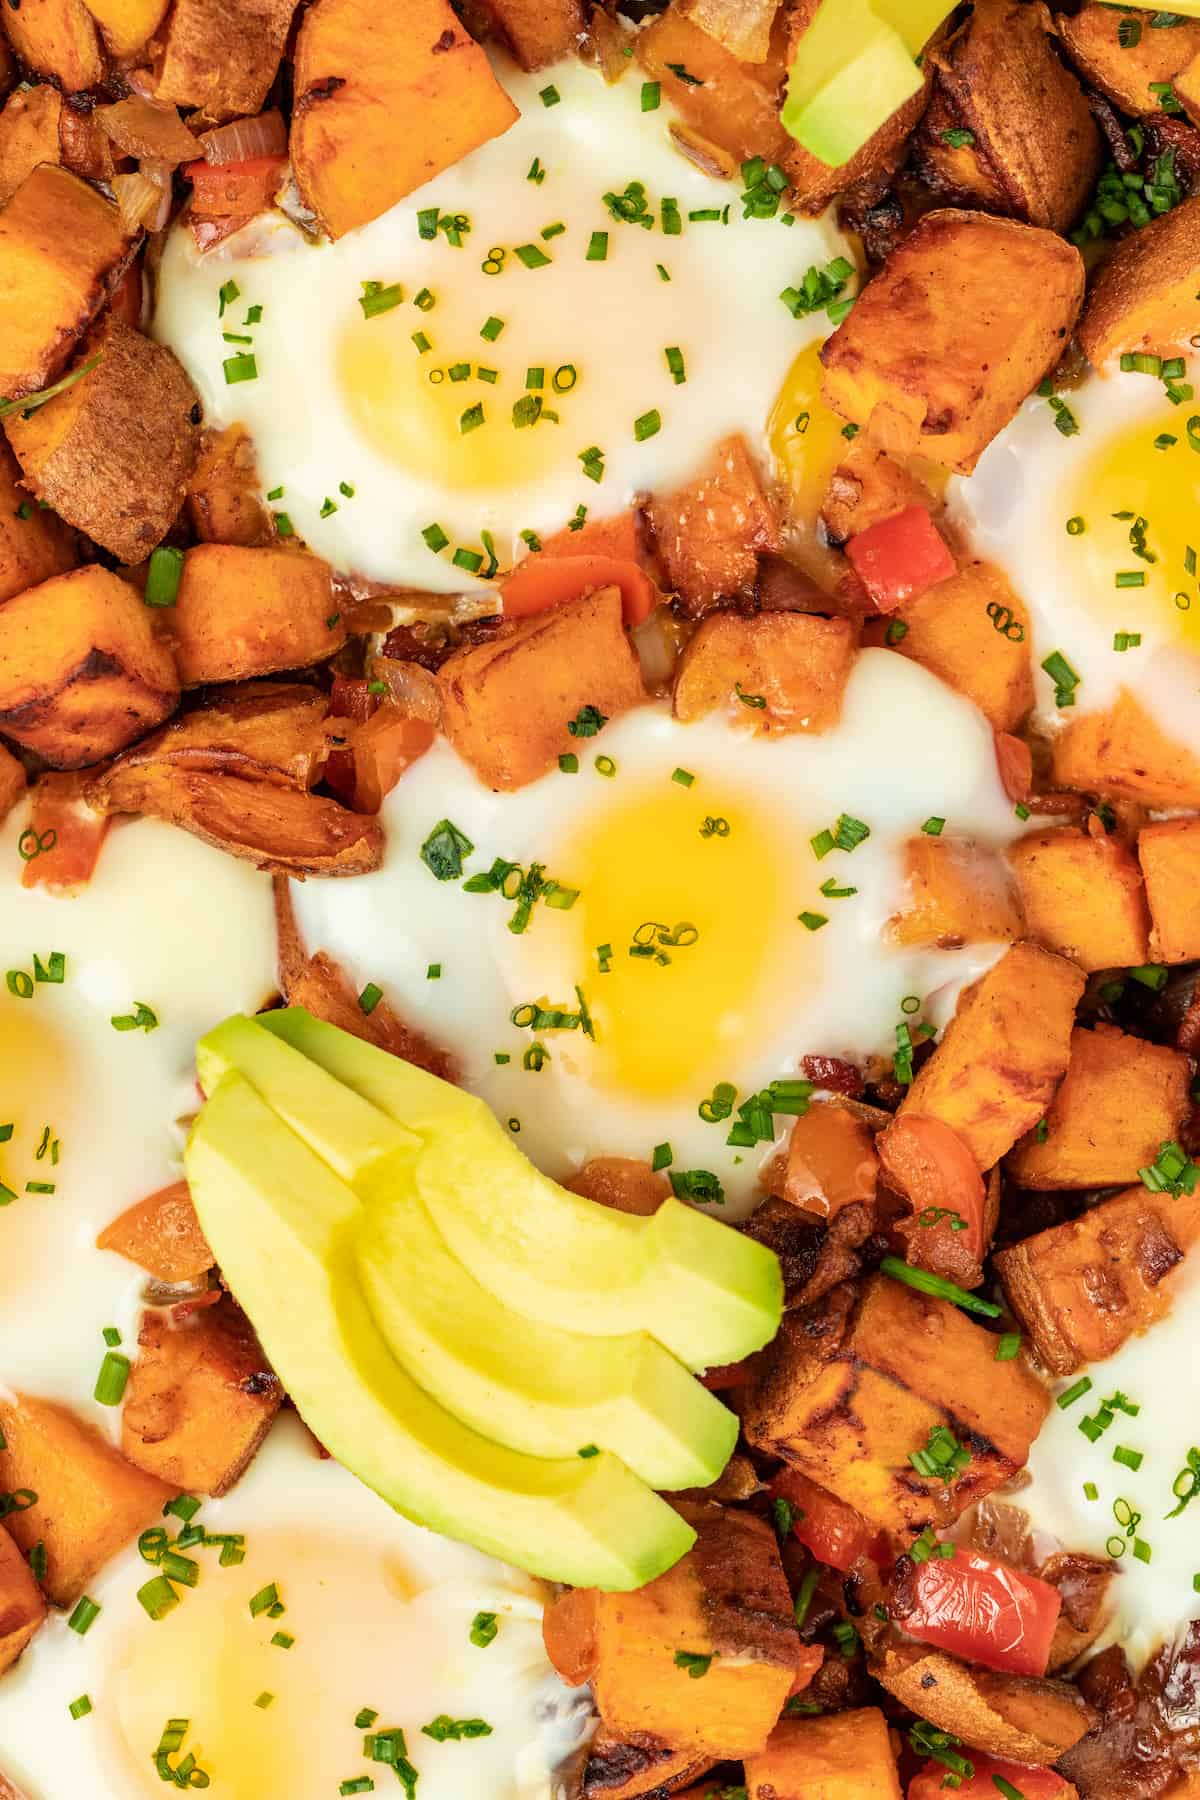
(984, 1611)
(900, 558)
(234, 190)
(1031, 1784)
(544, 581)
(833, 1531)
(925, 1159)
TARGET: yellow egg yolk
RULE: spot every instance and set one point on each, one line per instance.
(692, 893)
(35, 1066)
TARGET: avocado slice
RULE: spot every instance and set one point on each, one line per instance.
(856, 66)
(282, 1226)
(708, 1294)
(536, 1388)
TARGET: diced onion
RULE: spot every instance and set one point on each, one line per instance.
(245, 139)
(605, 47)
(708, 157)
(657, 644)
(143, 203)
(413, 689)
(743, 27)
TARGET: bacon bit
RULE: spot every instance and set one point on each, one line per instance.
(832, 1072)
(1014, 759)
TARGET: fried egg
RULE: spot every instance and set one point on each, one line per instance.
(707, 943)
(393, 429)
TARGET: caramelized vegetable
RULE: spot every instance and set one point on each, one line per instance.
(162, 1235)
(778, 671)
(223, 501)
(711, 532)
(955, 632)
(546, 580)
(621, 1182)
(847, 1756)
(245, 612)
(66, 834)
(1083, 897)
(34, 545)
(1124, 751)
(1015, 1717)
(1143, 298)
(58, 39)
(831, 1160)
(537, 31)
(1168, 853)
(221, 55)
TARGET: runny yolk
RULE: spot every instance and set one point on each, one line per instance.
(698, 883)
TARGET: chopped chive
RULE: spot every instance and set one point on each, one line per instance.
(163, 576)
(684, 777)
(531, 256)
(240, 368)
(597, 250)
(675, 364)
(648, 426)
(813, 921)
(471, 420)
(938, 1287)
(435, 538)
(549, 96)
(84, 1616)
(370, 997)
(110, 1382)
(158, 1597)
(1075, 1392)
(568, 763)
(376, 299)
(484, 1627)
(79, 1709)
(1007, 1346)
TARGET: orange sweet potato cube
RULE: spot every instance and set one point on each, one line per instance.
(1083, 897)
(1169, 853)
(846, 1756)
(950, 632)
(537, 31)
(958, 892)
(243, 612)
(1124, 751)
(711, 532)
(778, 671)
(22, 1608)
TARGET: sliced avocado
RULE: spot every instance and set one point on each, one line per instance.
(708, 1294)
(854, 67)
(281, 1225)
(915, 20)
(544, 1391)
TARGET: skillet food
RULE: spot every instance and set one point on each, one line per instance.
(599, 899)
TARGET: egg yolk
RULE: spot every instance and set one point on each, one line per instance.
(441, 420)
(1134, 521)
(35, 1066)
(691, 892)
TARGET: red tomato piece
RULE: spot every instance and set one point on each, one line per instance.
(926, 1159)
(984, 1611)
(833, 1531)
(1031, 1784)
(900, 558)
(234, 190)
(544, 581)
(61, 845)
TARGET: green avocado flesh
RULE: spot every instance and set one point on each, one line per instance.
(284, 1227)
(854, 68)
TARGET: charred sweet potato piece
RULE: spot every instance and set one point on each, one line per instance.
(1143, 297)
(34, 544)
(1120, 1100)
(711, 532)
(1125, 752)
(243, 612)
(162, 1235)
(221, 56)
(958, 892)
(22, 1609)
(866, 488)
(127, 24)
(951, 631)
(1083, 897)
(58, 39)
(1122, 69)
(358, 68)
(81, 672)
(88, 151)
(942, 346)
(1082, 1288)
(1024, 1717)
(537, 31)
(507, 702)
(90, 1501)
(815, 1254)
(200, 1400)
(621, 1182)
(29, 127)
(1032, 149)
(62, 251)
(726, 1603)
(780, 671)
(849, 1389)
(847, 1756)
(112, 453)
(1002, 1055)
(1169, 853)
(223, 501)
(272, 732)
(638, 1768)
(733, 105)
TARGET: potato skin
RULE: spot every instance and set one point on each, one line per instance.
(1169, 853)
(711, 532)
(1143, 298)
(798, 663)
(34, 544)
(223, 504)
(1124, 752)
(1123, 73)
(58, 39)
(1020, 1717)
(245, 612)
(265, 731)
(1083, 897)
(222, 55)
(847, 1756)
(943, 344)
(81, 671)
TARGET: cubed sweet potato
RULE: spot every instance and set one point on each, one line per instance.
(90, 1501)
(1122, 69)
(957, 892)
(507, 702)
(58, 39)
(950, 631)
(1002, 1055)
(1027, 1718)
(1125, 752)
(1082, 1288)
(221, 56)
(776, 671)
(1083, 896)
(223, 496)
(942, 346)
(22, 1609)
(1143, 298)
(727, 1605)
(1120, 1099)
(62, 251)
(621, 1182)
(127, 24)
(866, 488)
(200, 1399)
(243, 612)
(162, 1235)
(28, 135)
(34, 544)
(358, 68)
(1032, 149)
(266, 731)
(113, 452)
(638, 1768)
(81, 671)
(711, 532)
(850, 1389)
(1169, 854)
(537, 31)
(846, 1756)
(733, 105)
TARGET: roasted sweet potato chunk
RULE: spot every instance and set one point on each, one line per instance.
(223, 501)
(847, 1756)
(778, 671)
(942, 346)
(1125, 752)
(1120, 1099)
(81, 672)
(951, 631)
(727, 1605)
(1032, 149)
(244, 612)
(58, 39)
(90, 1501)
(162, 1235)
(507, 702)
(62, 251)
(360, 67)
(113, 452)
(848, 1391)
(621, 1182)
(1002, 1055)
(638, 1768)
(221, 56)
(127, 24)
(1023, 1717)
(1082, 1288)
(866, 488)
(1169, 853)
(272, 732)
(958, 893)
(1083, 897)
(537, 31)
(711, 532)
(22, 1608)
(1144, 298)
(29, 126)
(733, 106)
(200, 1400)
(1122, 69)
(34, 544)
